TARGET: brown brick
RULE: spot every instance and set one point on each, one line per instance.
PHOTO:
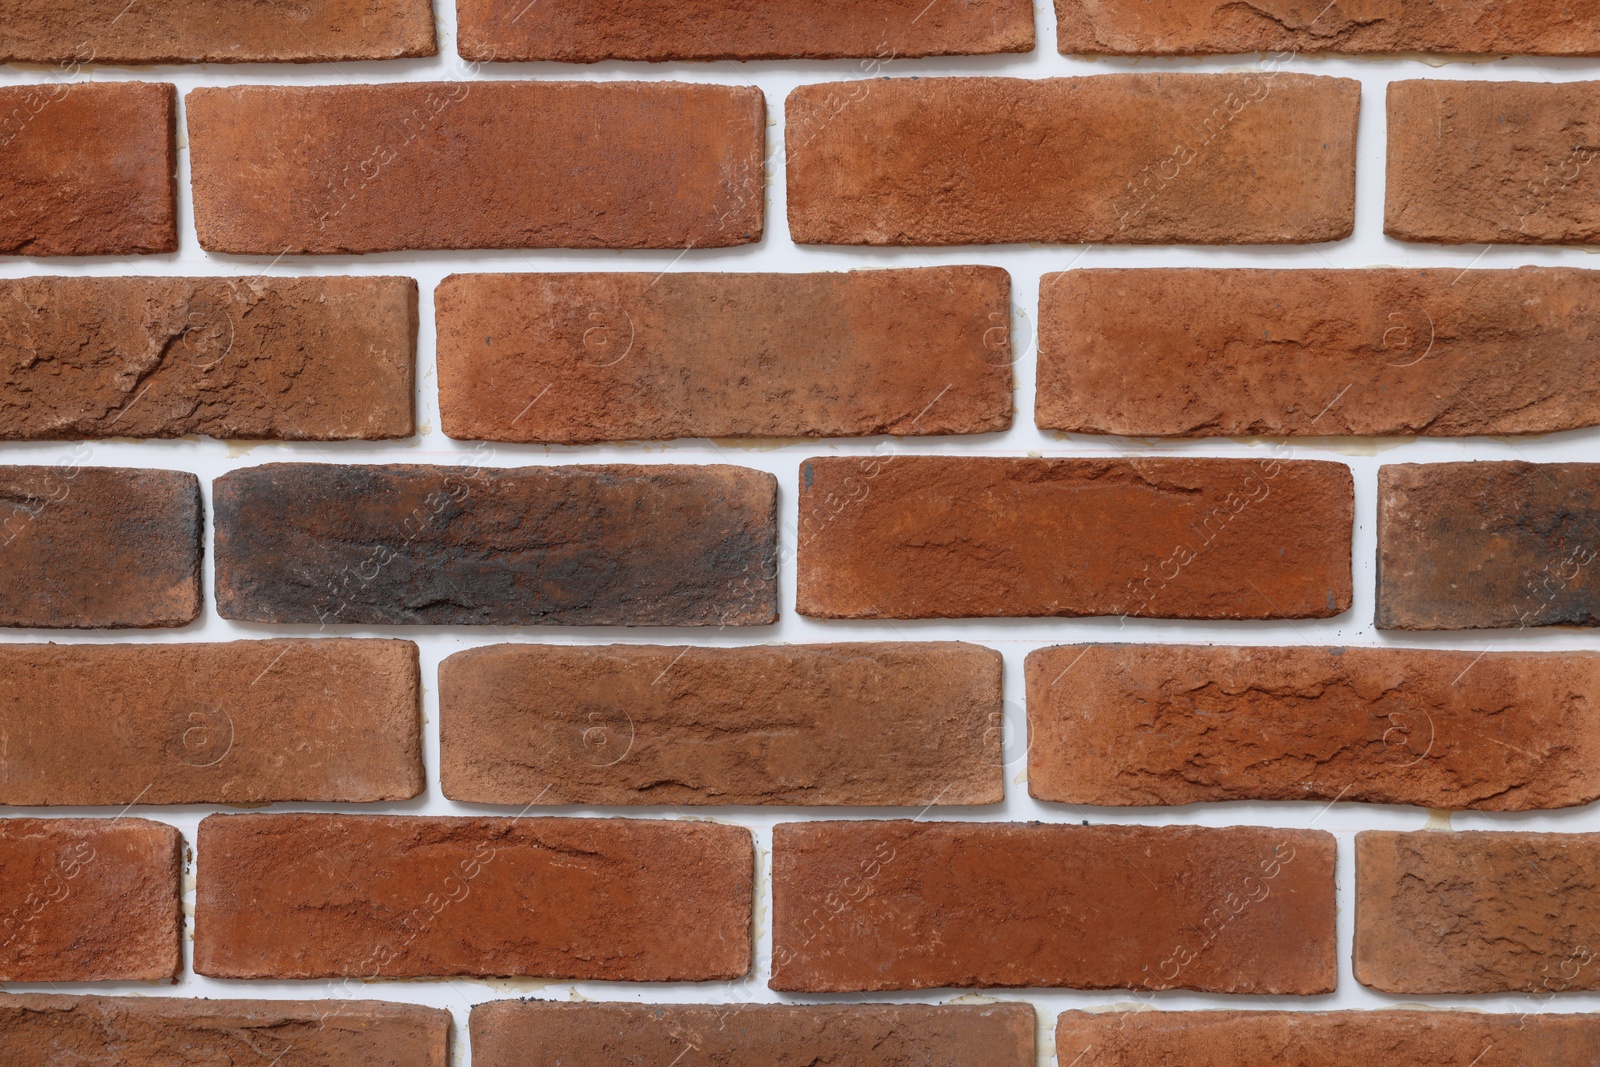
(98, 547)
(581, 31)
(1473, 546)
(621, 545)
(88, 169)
(1226, 27)
(320, 359)
(1388, 1038)
(214, 31)
(1477, 912)
(1229, 353)
(859, 724)
(1153, 159)
(323, 896)
(1190, 724)
(862, 906)
(423, 165)
(1493, 162)
(245, 722)
(653, 356)
(164, 1032)
(89, 900)
(915, 537)
(883, 1035)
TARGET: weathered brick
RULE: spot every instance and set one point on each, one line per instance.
(910, 537)
(213, 31)
(1226, 27)
(861, 906)
(165, 1032)
(483, 164)
(98, 547)
(1472, 546)
(89, 900)
(653, 356)
(245, 722)
(781, 1035)
(859, 724)
(324, 896)
(1493, 162)
(1192, 352)
(1477, 912)
(88, 169)
(1154, 159)
(663, 545)
(1190, 724)
(581, 31)
(319, 359)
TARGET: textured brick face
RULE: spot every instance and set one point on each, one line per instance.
(423, 165)
(877, 724)
(329, 896)
(1197, 159)
(580, 358)
(860, 906)
(1231, 353)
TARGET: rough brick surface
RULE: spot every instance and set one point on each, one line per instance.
(1469, 546)
(1476, 912)
(1154, 159)
(860, 906)
(323, 896)
(89, 900)
(774, 1035)
(664, 545)
(1493, 162)
(580, 358)
(1216, 353)
(284, 358)
(1190, 724)
(1227, 27)
(212, 31)
(88, 168)
(874, 724)
(952, 537)
(1387, 1038)
(168, 1032)
(98, 547)
(246, 722)
(481, 164)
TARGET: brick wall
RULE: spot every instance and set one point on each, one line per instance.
(692, 533)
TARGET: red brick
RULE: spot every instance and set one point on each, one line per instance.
(582, 31)
(863, 906)
(164, 1032)
(1493, 162)
(320, 359)
(617, 545)
(89, 900)
(1471, 546)
(326, 896)
(914, 537)
(860, 724)
(883, 1035)
(1149, 159)
(88, 169)
(1191, 724)
(1193, 352)
(214, 31)
(245, 722)
(653, 356)
(140, 528)
(482, 164)
(1477, 912)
